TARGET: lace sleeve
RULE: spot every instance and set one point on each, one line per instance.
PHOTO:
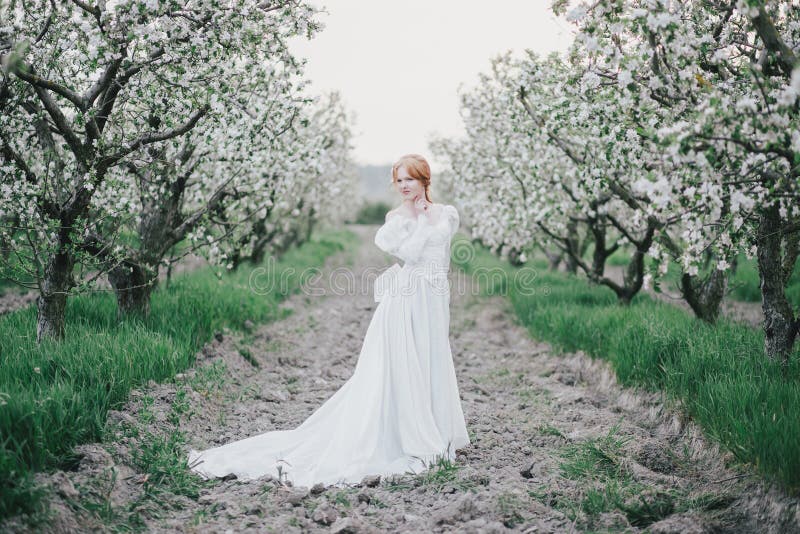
(411, 249)
(453, 219)
(400, 238)
(391, 235)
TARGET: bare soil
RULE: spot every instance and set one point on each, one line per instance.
(557, 444)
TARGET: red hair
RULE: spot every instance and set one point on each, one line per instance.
(417, 168)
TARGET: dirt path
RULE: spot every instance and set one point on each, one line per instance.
(557, 445)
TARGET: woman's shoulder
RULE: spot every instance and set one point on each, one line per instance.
(395, 212)
(400, 211)
(397, 216)
(448, 210)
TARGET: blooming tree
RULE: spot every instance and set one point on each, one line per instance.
(218, 171)
(723, 79)
(675, 130)
(93, 94)
(538, 130)
(311, 171)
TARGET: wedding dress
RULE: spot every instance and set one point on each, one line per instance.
(400, 411)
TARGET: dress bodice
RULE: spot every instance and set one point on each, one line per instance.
(418, 241)
(423, 246)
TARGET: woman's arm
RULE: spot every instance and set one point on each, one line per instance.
(398, 239)
(411, 249)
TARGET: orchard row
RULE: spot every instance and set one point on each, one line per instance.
(670, 129)
(133, 133)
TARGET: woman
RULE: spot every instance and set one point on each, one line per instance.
(400, 411)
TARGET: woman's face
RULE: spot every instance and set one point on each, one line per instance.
(407, 186)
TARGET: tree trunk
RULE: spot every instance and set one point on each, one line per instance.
(52, 301)
(311, 221)
(775, 265)
(514, 257)
(633, 278)
(133, 281)
(10, 221)
(573, 243)
(553, 260)
(169, 266)
(705, 296)
(584, 245)
(570, 265)
(600, 254)
(260, 248)
(280, 246)
(133, 284)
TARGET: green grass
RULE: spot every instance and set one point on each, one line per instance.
(510, 507)
(372, 213)
(57, 394)
(600, 457)
(442, 472)
(160, 460)
(720, 373)
(547, 429)
(7, 288)
(744, 283)
(595, 480)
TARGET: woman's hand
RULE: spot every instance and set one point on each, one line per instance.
(421, 205)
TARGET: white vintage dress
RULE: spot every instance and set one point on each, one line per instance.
(400, 410)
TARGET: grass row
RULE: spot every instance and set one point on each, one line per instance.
(719, 374)
(57, 394)
(601, 482)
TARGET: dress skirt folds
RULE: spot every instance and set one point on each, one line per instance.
(400, 410)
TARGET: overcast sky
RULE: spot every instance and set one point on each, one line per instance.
(398, 65)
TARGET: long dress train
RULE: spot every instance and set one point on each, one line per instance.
(400, 410)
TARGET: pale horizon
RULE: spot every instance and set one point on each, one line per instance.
(394, 115)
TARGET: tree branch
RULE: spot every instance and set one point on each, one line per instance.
(148, 139)
(110, 95)
(25, 72)
(104, 81)
(47, 23)
(773, 41)
(61, 123)
(557, 140)
(180, 232)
